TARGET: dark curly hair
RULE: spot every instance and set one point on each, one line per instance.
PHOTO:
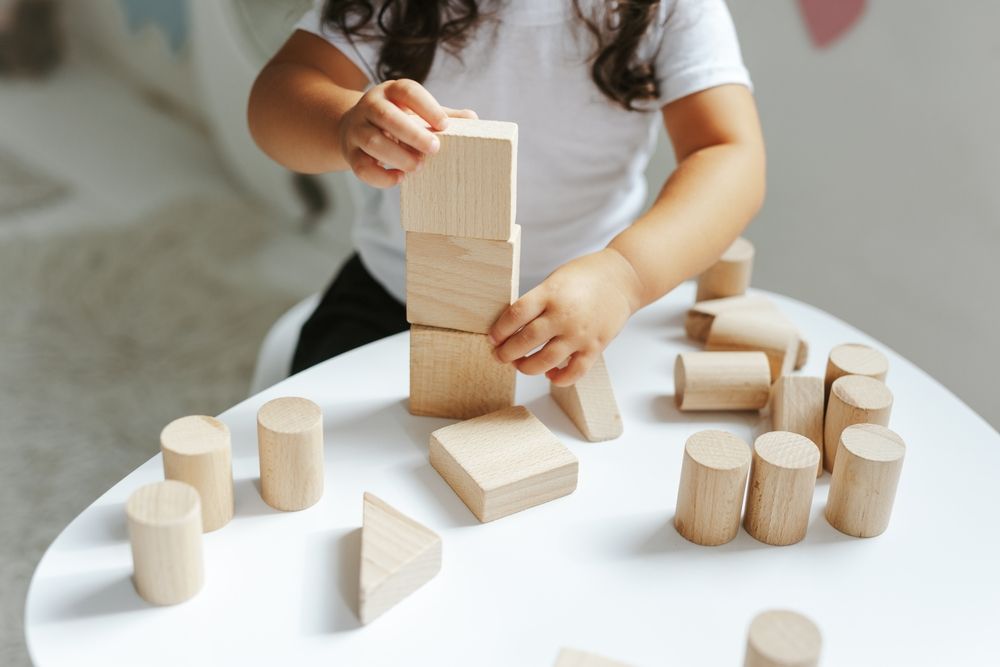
(411, 31)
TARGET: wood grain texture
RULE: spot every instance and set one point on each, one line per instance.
(797, 406)
(865, 477)
(503, 462)
(290, 447)
(730, 276)
(855, 359)
(782, 638)
(469, 187)
(570, 657)
(854, 399)
(591, 404)
(398, 556)
(782, 479)
(460, 283)
(713, 480)
(721, 381)
(744, 330)
(164, 528)
(454, 374)
(198, 450)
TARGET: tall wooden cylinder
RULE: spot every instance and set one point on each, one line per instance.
(854, 399)
(290, 446)
(782, 638)
(730, 276)
(865, 476)
(855, 359)
(797, 406)
(197, 450)
(756, 331)
(782, 479)
(710, 495)
(721, 381)
(164, 527)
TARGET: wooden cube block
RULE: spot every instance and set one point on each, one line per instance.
(591, 404)
(469, 187)
(453, 282)
(454, 374)
(797, 406)
(503, 462)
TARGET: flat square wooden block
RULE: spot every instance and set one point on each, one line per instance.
(460, 283)
(503, 462)
(468, 188)
(453, 374)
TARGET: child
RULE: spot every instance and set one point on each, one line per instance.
(357, 84)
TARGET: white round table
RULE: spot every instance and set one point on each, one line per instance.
(601, 570)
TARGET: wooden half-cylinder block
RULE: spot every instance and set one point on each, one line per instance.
(782, 638)
(569, 657)
(164, 528)
(865, 476)
(797, 406)
(468, 187)
(454, 374)
(713, 480)
(855, 359)
(854, 399)
(454, 282)
(503, 462)
(721, 381)
(290, 447)
(197, 450)
(743, 330)
(398, 556)
(782, 479)
(591, 404)
(730, 276)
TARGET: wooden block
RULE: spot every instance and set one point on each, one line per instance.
(797, 406)
(460, 283)
(469, 187)
(730, 276)
(164, 528)
(782, 638)
(855, 359)
(454, 374)
(721, 381)
(865, 476)
(854, 399)
(741, 330)
(197, 450)
(782, 479)
(503, 462)
(290, 446)
(398, 556)
(569, 657)
(713, 479)
(590, 404)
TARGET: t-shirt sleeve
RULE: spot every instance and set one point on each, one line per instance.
(362, 52)
(699, 49)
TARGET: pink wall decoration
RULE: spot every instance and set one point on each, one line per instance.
(827, 20)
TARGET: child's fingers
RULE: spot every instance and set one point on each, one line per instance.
(555, 352)
(411, 95)
(573, 371)
(390, 118)
(376, 144)
(367, 169)
(518, 314)
(535, 334)
(461, 113)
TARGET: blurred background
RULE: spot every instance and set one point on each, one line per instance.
(146, 246)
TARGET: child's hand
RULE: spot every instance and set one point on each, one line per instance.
(574, 313)
(384, 128)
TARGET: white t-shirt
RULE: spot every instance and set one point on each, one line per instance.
(581, 157)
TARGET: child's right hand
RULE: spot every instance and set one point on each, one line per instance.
(382, 136)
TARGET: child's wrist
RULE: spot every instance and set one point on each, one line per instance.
(624, 273)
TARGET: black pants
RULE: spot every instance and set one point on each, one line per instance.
(355, 310)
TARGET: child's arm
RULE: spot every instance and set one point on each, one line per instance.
(717, 188)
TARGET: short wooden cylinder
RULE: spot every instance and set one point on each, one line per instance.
(865, 476)
(750, 331)
(854, 399)
(782, 479)
(782, 638)
(198, 450)
(730, 276)
(797, 406)
(855, 359)
(164, 527)
(713, 480)
(721, 381)
(290, 447)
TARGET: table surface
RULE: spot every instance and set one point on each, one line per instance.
(601, 570)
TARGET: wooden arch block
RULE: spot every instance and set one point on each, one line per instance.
(198, 450)
(782, 638)
(780, 493)
(290, 448)
(797, 406)
(398, 556)
(713, 479)
(721, 381)
(854, 399)
(750, 331)
(730, 276)
(591, 404)
(865, 476)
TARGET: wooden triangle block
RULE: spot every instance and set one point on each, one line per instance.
(398, 556)
(591, 404)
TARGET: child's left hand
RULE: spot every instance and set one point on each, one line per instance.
(574, 313)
